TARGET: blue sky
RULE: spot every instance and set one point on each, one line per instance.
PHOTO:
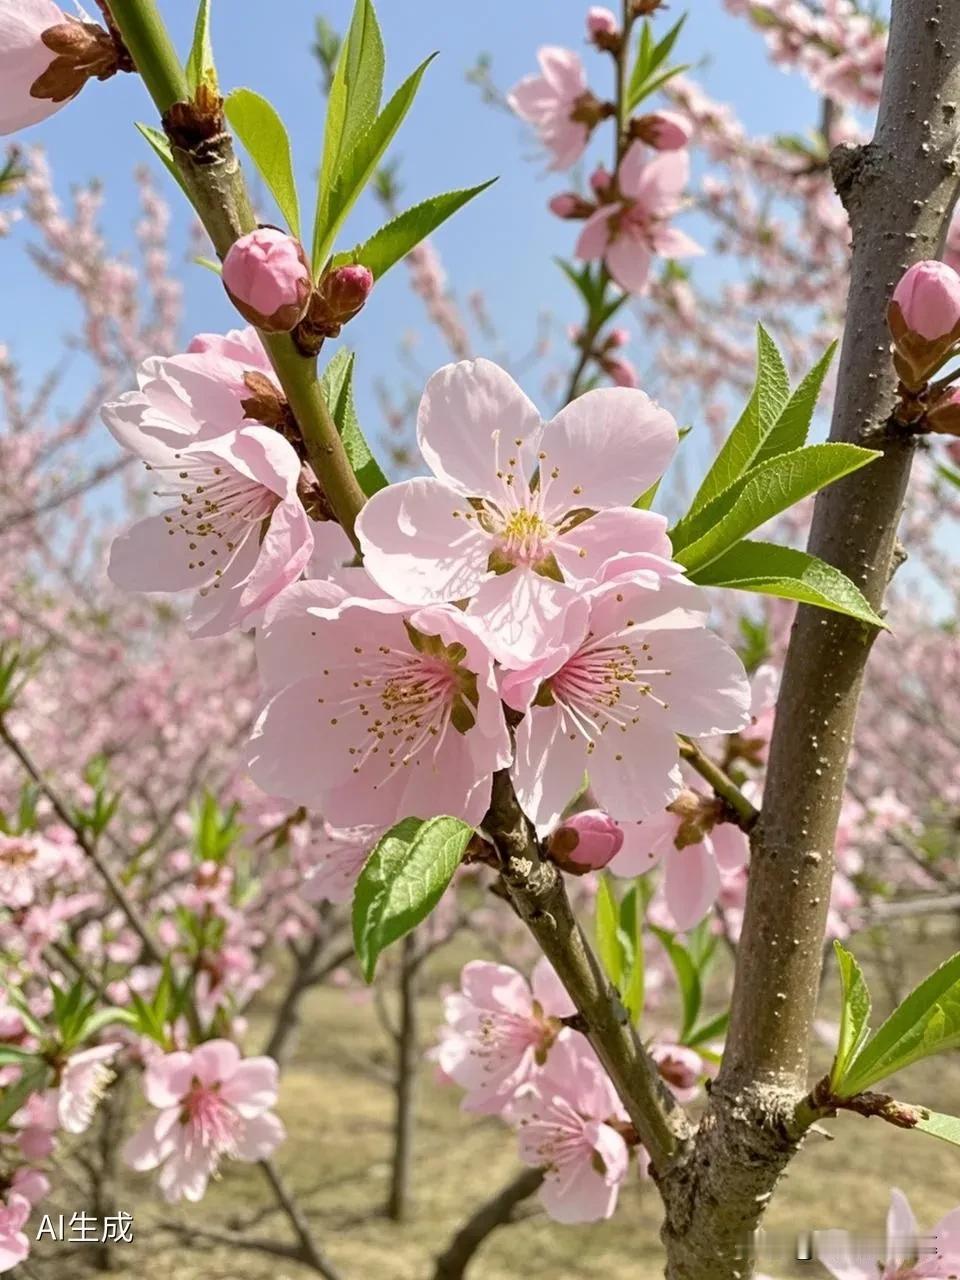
(503, 243)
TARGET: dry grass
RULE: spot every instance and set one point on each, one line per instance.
(338, 1112)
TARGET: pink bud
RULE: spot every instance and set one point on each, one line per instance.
(585, 842)
(600, 180)
(667, 130)
(345, 291)
(621, 371)
(601, 23)
(617, 338)
(570, 205)
(267, 276)
(928, 296)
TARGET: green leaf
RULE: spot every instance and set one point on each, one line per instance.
(394, 240)
(708, 1031)
(608, 924)
(947, 1128)
(688, 979)
(357, 164)
(161, 146)
(107, 1018)
(337, 388)
(791, 428)
(259, 127)
(854, 1014)
(402, 881)
(12, 1098)
(200, 68)
(352, 104)
(631, 926)
(772, 570)
(768, 489)
(649, 70)
(926, 1023)
(11, 1057)
(744, 443)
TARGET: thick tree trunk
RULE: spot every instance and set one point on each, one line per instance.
(899, 192)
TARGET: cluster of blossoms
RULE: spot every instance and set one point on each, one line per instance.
(505, 1042)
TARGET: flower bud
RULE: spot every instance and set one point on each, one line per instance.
(585, 842)
(664, 130)
(943, 416)
(341, 295)
(621, 371)
(600, 181)
(267, 277)
(602, 27)
(924, 318)
(570, 205)
(618, 337)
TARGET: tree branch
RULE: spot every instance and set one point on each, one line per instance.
(496, 1212)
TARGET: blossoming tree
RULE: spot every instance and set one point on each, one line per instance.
(503, 672)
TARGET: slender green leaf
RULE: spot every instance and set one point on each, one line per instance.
(791, 428)
(608, 923)
(653, 83)
(394, 240)
(337, 388)
(772, 570)
(107, 1018)
(161, 146)
(688, 979)
(257, 124)
(358, 163)
(631, 928)
(12, 1098)
(402, 881)
(707, 1031)
(770, 488)
(926, 1023)
(854, 1014)
(947, 1128)
(200, 69)
(352, 106)
(745, 441)
(12, 1057)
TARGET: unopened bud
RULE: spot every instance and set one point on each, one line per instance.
(570, 205)
(924, 319)
(341, 295)
(585, 842)
(943, 416)
(623, 373)
(618, 337)
(664, 130)
(600, 181)
(603, 28)
(267, 277)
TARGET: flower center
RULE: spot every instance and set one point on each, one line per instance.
(17, 856)
(523, 536)
(212, 1124)
(218, 507)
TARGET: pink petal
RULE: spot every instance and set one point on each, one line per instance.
(562, 70)
(691, 884)
(644, 844)
(628, 261)
(523, 614)
(580, 1195)
(289, 644)
(260, 454)
(635, 774)
(633, 166)
(253, 1086)
(260, 1138)
(619, 540)
(609, 446)
(707, 690)
(731, 848)
(471, 416)
(152, 1142)
(216, 608)
(662, 182)
(549, 766)
(549, 991)
(671, 242)
(215, 1061)
(902, 1230)
(496, 987)
(156, 555)
(418, 544)
(595, 234)
(834, 1251)
(532, 99)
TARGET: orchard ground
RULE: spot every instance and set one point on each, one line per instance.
(336, 1101)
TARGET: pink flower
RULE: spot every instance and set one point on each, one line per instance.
(586, 841)
(213, 1105)
(552, 101)
(680, 1067)
(333, 859)
(633, 230)
(563, 1117)
(837, 1251)
(23, 60)
(664, 130)
(636, 666)
(268, 279)
(26, 861)
(480, 528)
(212, 541)
(693, 867)
(928, 295)
(31, 1184)
(83, 1082)
(14, 1244)
(378, 711)
(500, 1029)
